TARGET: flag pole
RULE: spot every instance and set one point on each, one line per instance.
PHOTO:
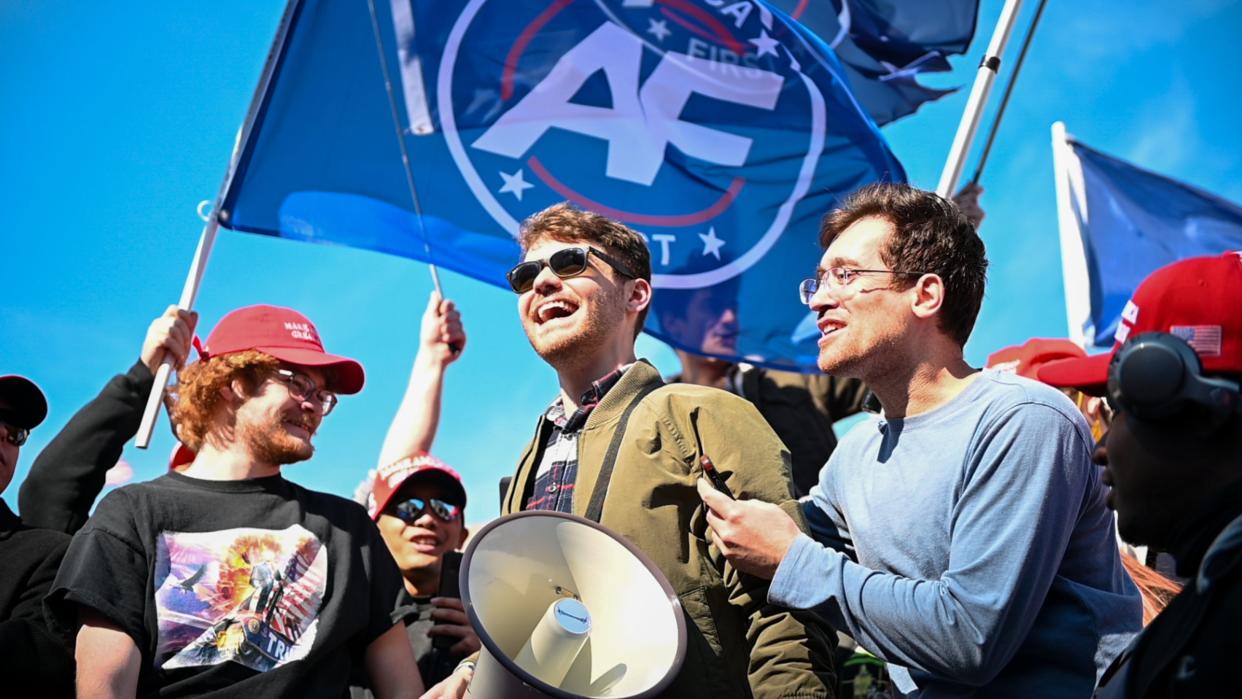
(984, 78)
(405, 153)
(207, 239)
(1013, 79)
(189, 293)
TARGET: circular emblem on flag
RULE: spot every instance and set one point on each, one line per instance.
(691, 121)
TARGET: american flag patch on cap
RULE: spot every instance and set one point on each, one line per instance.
(1204, 339)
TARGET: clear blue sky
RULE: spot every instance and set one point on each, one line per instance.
(117, 118)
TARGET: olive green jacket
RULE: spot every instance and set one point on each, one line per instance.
(739, 645)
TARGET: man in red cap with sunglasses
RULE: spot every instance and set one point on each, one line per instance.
(225, 577)
(1172, 459)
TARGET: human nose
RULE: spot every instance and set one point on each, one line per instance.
(546, 280)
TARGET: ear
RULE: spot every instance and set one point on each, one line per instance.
(461, 540)
(640, 296)
(232, 392)
(928, 296)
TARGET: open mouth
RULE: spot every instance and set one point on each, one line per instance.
(828, 327)
(553, 309)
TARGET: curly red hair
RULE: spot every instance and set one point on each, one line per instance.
(198, 393)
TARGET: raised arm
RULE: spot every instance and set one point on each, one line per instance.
(69, 474)
(441, 341)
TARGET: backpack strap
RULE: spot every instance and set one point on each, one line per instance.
(595, 509)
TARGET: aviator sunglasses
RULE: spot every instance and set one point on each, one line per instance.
(411, 509)
(565, 263)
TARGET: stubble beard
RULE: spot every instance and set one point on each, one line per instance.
(593, 331)
(272, 444)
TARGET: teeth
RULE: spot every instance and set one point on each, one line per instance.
(546, 310)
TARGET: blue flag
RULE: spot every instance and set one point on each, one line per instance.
(1120, 223)
(721, 132)
(884, 45)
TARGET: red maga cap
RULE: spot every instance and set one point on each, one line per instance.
(1025, 359)
(389, 479)
(25, 403)
(286, 335)
(1196, 299)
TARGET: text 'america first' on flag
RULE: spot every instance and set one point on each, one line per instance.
(1120, 223)
(884, 45)
(719, 130)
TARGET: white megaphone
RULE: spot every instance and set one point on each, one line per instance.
(566, 608)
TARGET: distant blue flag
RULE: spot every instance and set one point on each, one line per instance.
(1120, 223)
(885, 44)
(723, 134)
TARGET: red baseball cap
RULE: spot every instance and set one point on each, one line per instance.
(1196, 299)
(389, 479)
(1026, 359)
(286, 335)
(25, 404)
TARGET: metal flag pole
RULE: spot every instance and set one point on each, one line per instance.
(984, 77)
(1000, 111)
(405, 153)
(207, 239)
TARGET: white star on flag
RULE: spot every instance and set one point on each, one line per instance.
(711, 244)
(659, 28)
(515, 184)
(765, 43)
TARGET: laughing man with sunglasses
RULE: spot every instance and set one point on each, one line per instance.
(619, 447)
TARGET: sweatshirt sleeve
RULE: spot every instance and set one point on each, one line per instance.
(1020, 497)
(69, 474)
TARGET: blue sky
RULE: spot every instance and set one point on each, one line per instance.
(116, 119)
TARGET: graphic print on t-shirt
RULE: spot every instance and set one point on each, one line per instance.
(247, 595)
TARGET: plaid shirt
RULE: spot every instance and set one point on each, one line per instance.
(558, 469)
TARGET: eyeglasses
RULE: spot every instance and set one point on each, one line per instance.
(565, 263)
(304, 387)
(13, 434)
(839, 277)
(410, 510)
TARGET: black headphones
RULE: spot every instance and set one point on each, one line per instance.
(1156, 376)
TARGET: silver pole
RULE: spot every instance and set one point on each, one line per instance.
(984, 78)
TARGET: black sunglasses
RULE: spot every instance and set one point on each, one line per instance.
(413, 508)
(15, 435)
(565, 263)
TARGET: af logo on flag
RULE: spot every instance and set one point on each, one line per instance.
(693, 122)
(719, 129)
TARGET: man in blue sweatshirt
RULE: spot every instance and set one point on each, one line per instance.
(967, 538)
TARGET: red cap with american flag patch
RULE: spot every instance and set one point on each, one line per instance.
(1198, 299)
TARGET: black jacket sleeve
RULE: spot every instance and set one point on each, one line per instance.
(67, 477)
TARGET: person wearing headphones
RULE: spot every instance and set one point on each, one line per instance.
(1172, 459)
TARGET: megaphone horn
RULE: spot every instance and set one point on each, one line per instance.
(565, 608)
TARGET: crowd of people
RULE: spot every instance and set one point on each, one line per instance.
(1057, 525)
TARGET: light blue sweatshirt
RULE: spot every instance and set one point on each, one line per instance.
(981, 555)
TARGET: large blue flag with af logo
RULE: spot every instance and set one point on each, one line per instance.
(722, 131)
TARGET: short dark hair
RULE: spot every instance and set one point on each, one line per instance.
(569, 224)
(930, 235)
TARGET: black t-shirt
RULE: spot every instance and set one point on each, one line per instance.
(257, 588)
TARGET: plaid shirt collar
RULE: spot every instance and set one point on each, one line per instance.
(586, 403)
